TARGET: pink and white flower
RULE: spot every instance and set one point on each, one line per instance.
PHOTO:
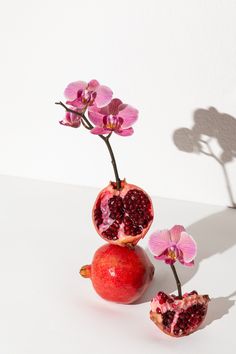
(71, 120)
(116, 117)
(81, 94)
(172, 245)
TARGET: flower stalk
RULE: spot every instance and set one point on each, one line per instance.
(177, 281)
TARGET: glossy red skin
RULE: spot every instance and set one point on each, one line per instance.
(121, 274)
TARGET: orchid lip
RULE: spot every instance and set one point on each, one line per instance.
(112, 122)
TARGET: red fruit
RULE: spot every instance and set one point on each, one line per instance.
(179, 317)
(119, 274)
(122, 216)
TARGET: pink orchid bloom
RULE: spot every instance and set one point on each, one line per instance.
(116, 117)
(71, 120)
(81, 94)
(174, 244)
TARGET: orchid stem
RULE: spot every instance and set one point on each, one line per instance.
(113, 161)
(177, 280)
(86, 123)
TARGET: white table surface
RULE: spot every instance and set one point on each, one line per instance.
(46, 234)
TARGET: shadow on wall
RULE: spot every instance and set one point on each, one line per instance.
(211, 126)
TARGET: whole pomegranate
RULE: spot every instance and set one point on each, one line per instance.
(122, 216)
(119, 274)
(179, 317)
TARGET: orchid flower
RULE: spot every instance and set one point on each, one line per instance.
(107, 115)
(116, 117)
(80, 94)
(71, 120)
(172, 245)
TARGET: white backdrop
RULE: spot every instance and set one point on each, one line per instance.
(167, 58)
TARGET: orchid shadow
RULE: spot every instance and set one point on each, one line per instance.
(213, 135)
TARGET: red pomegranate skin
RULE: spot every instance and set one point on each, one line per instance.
(119, 274)
(123, 216)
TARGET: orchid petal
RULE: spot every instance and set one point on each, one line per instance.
(189, 264)
(125, 132)
(113, 107)
(158, 242)
(129, 115)
(187, 246)
(93, 85)
(99, 131)
(175, 233)
(71, 120)
(72, 89)
(162, 257)
(95, 116)
(104, 96)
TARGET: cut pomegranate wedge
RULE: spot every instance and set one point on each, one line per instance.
(179, 317)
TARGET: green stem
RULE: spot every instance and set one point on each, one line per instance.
(177, 280)
(86, 123)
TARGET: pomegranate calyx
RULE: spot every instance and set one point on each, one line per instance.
(129, 245)
(122, 184)
(85, 271)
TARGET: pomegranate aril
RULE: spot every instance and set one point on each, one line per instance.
(162, 297)
(116, 208)
(112, 231)
(194, 292)
(168, 317)
(176, 331)
(98, 221)
(98, 214)
(169, 300)
(160, 293)
(192, 317)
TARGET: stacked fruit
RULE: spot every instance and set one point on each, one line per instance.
(121, 271)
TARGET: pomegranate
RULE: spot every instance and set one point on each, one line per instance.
(122, 216)
(119, 274)
(179, 317)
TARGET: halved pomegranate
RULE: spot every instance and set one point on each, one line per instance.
(179, 317)
(122, 216)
